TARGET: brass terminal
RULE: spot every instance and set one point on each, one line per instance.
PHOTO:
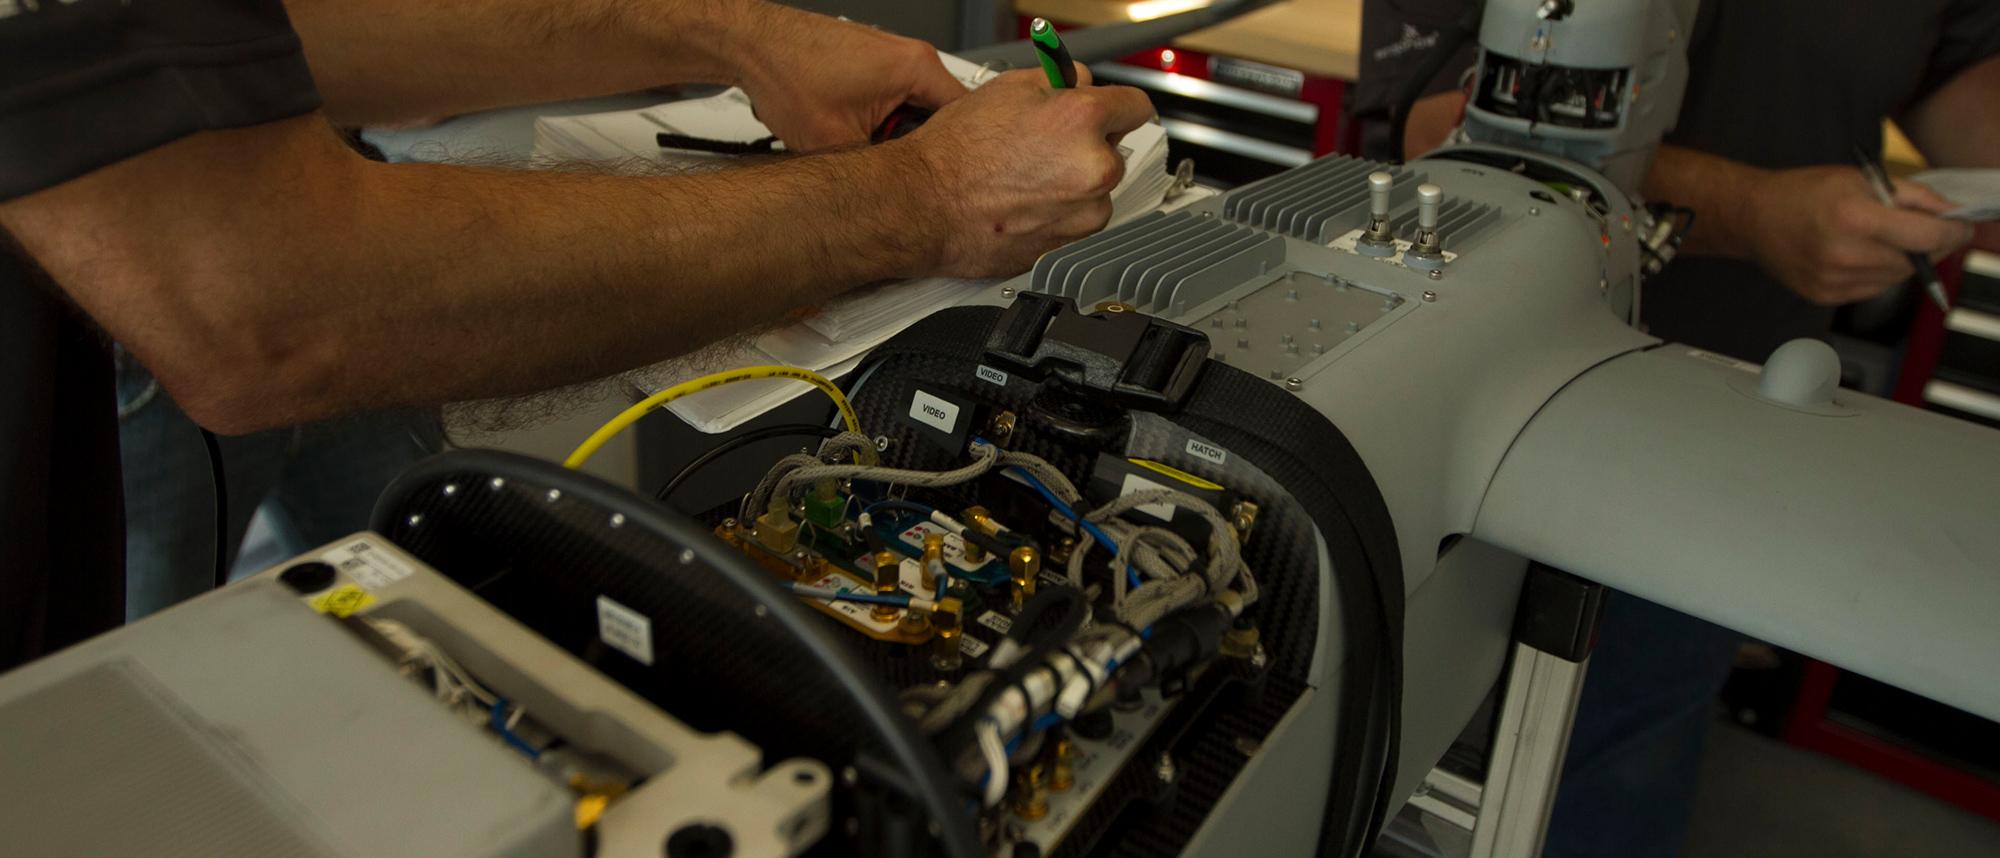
(944, 645)
(1031, 796)
(888, 580)
(1062, 765)
(1242, 518)
(933, 562)
(1024, 564)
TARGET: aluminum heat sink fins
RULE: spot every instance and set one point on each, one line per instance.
(1317, 202)
(1161, 263)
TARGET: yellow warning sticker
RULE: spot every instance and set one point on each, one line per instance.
(342, 601)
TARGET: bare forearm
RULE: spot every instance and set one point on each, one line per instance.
(365, 285)
(1958, 125)
(389, 60)
(1717, 189)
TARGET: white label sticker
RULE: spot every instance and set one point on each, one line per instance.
(987, 373)
(1136, 483)
(1203, 449)
(972, 647)
(625, 630)
(910, 572)
(993, 620)
(366, 565)
(933, 412)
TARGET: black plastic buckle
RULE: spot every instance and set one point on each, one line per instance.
(1133, 358)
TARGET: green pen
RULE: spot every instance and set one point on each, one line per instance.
(1055, 58)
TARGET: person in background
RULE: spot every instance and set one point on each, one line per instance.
(171, 179)
(1786, 231)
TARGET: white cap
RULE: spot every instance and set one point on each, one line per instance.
(1379, 184)
(1428, 198)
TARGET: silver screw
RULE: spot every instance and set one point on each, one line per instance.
(1313, 324)
(1006, 291)
(1430, 296)
(1437, 274)
(496, 483)
(555, 495)
(1257, 657)
(1241, 324)
(1164, 769)
(1534, 211)
(450, 489)
(416, 519)
(687, 556)
(1353, 327)
(1294, 383)
(617, 519)
(1291, 295)
(1319, 348)
(881, 443)
(1242, 342)
(1215, 322)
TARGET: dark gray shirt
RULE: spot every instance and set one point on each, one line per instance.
(1772, 83)
(83, 84)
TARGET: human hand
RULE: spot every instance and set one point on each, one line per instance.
(1016, 169)
(819, 82)
(1823, 234)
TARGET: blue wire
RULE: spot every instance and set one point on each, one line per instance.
(1131, 574)
(904, 505)
(498, 717)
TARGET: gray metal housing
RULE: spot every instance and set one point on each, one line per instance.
(1505, 399)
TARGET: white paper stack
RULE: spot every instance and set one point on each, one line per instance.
(1976, 191)
(832, 338)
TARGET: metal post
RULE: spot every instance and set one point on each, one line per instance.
(1528, 747)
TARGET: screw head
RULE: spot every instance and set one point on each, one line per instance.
(1430, 296)
(1006, 291)
(1294, 383)
(1534, 211)
(1437, 274)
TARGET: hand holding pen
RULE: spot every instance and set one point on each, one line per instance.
(1885, 191)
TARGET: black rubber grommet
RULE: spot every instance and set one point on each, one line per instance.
(309, 577)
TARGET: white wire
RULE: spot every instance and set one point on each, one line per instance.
(995, 752)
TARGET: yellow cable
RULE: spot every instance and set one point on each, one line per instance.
(631, 415)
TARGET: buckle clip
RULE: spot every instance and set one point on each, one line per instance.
(1138, 360)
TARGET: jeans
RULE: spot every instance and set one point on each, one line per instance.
(1634, 756)
(313, 483)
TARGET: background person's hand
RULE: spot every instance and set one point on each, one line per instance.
(820, 83)
(1822, 233)
(1016, 169)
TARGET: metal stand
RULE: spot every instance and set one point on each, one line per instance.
(1508, 815)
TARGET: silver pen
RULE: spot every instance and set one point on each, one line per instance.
(1878, 179)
